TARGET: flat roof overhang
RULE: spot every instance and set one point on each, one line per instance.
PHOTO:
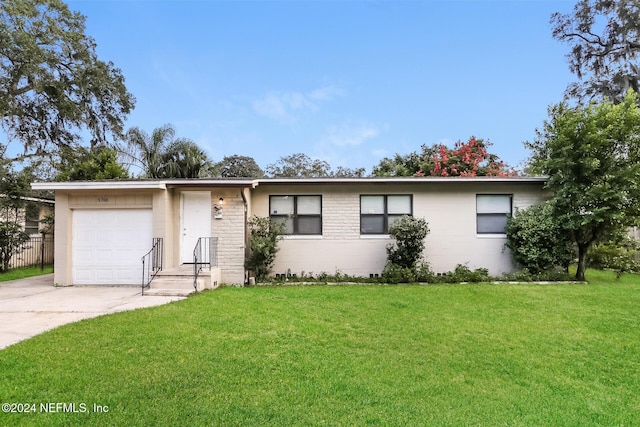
(405, 180)
(252, 183)
(141, 184)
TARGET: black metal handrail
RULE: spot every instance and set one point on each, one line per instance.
(152, 262)
(204, 253)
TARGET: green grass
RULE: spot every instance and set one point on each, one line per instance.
(22, 273)
(516, 355)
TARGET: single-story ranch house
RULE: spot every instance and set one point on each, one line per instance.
(103, 228)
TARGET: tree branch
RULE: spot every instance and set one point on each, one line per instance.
(20, 91)
(587, 40)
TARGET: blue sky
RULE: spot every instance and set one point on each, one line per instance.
(349, 82)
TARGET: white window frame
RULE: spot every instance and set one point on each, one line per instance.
(483, 211)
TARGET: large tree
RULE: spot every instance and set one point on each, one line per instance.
(89, 164)
(604, 36)
(347, 172)
(592, 157)
(52, 84)
(237, 166)
(399, 165)
(464, 159)
(298, 165)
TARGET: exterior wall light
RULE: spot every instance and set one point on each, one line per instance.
(217, 208)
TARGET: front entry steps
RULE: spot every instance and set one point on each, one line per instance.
(179, 282)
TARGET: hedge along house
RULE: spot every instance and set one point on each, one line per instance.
(103, 229)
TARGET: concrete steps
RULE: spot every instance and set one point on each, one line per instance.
(178, 282)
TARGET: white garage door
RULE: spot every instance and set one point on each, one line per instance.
(108, 245)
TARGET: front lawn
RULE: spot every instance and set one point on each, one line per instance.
(345, 355)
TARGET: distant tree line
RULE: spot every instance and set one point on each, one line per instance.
(161, 155)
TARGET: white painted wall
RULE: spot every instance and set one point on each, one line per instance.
(449, 208)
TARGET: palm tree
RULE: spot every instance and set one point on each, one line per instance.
(184, 159)
(144, 151)
(162, 156)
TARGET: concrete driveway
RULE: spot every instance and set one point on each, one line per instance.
(31, 306)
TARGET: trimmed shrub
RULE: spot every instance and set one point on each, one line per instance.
(409, 234)
(462, 273)
(538, 242)
(524, 275)
(263, 242)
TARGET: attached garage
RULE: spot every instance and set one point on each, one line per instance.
(108, 244)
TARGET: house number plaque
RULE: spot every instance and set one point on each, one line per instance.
(103, 200)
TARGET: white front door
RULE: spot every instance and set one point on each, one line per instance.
(195, 221)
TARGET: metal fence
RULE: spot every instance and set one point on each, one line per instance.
(37, 251)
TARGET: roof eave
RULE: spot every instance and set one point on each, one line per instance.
(99, 185)
(252, 183)
(412, 180)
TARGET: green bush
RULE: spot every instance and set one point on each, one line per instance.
(462, 273)
(409, 234)
(538, 242)
(618, 253)
(12, 235)
(525, 275)
(394, 273)
(263, 241)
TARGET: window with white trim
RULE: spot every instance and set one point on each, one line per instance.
(378, 212)
(300, 214)
(492, 212)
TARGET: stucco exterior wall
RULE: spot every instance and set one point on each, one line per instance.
(62, 248)
(449, 208)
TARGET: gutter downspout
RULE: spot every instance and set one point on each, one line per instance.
(247, 244)
(246, 234)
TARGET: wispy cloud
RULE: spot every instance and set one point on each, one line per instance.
(351, 135)
(283, 106)
(349, 143)
(327, 93)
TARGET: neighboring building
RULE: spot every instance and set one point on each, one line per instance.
(103, 228)
(38, 250)
(34, 210)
